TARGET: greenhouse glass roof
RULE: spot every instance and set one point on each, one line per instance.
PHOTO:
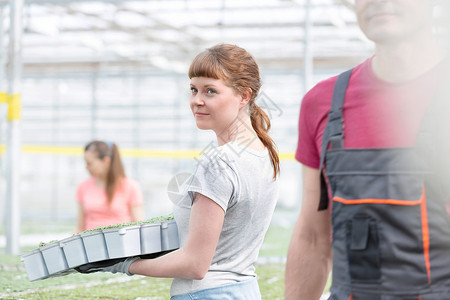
(165, 35)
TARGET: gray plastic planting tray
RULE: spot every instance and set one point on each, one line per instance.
(95, 245)
(122, 242)
(35, 265)
(61, 257)
(73, 248)
(54, 258)
(169, 236)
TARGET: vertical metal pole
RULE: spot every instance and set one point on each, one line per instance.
(307, 60)
(94, 106)
(308, 56)
(2, 53)
(179, 109)
(2, 59)
(55, 158)
(13, 144)
(2, 64)
(2, 101)
(136, 83)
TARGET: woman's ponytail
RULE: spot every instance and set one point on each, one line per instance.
(116, 171)
(261, 125)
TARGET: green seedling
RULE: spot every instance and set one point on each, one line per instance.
(42, 244)
(168, 217)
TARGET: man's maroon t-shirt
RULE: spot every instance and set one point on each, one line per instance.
(377, 114)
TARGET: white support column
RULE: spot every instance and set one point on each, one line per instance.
(308, 57)
(2, 52)
(3, 55)
(94, 106)
(2, 58)
(2, 104)
(2, 101)
(14, 75)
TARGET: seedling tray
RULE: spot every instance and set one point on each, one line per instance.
(59, 258)
(73, 248)
(95, 245)
(54, 258)
(35, 265)
(123, 242)
(151, 238)
(169, 236)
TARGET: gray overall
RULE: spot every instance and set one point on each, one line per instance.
(391, 231)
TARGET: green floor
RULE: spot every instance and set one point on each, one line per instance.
(14, 283)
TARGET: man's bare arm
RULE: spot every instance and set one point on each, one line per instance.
(309, 255)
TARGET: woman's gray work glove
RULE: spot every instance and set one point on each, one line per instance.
(118, 265)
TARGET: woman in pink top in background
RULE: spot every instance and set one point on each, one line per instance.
(108, 197)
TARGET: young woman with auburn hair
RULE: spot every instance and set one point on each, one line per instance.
(226, 208)
(108, 197)
(238, 71)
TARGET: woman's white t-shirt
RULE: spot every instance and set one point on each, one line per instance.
(241, 181)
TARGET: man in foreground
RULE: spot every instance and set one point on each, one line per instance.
(374, 148)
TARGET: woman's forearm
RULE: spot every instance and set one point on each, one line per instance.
(177, 264)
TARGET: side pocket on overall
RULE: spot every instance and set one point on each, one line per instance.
(363, 249)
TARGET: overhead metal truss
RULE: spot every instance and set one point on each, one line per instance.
(166, 35)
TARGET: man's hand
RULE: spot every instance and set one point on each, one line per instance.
(118, 265)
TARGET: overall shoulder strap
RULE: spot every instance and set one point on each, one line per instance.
(334, 130)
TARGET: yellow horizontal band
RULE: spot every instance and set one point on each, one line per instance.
(14, 107)
(286, 156)
(3, 98)
(53, 149)
(172, 154)
(125, 152)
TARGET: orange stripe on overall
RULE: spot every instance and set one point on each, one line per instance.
(423, 209)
